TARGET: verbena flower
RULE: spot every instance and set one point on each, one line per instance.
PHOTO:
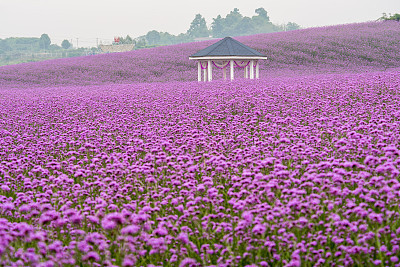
(91, 256)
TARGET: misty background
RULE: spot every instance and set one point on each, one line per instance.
(104, 19)
(34, 30)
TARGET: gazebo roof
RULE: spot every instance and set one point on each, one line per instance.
(227, 47)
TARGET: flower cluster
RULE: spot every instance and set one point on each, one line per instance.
(277, 172)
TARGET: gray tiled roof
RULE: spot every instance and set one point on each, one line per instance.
(228, 47)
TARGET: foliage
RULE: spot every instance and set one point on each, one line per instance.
(4, 46)
(198, 27)
(262, 13)
(66, 44)
(54, 52)
(153, 37)
(291, 26)
(44, 41)
(140, 42)
(234, 24)
(262, 23)
(19, 44)
(54, 47)
(217, 27)
(27, 45)
(231, 21)
(126, 40)
(395, 17)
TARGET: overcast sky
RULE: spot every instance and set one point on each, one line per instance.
(104, 19)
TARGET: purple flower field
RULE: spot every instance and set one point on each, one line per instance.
(301, 170)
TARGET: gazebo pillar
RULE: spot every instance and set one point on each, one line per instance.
(224, 70)
(257, 69)
(205, 74)
(245, 71)
(198, 71)
(209, 68)
(232, 73)
(251, 69)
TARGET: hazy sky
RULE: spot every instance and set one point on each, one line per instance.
(104, 19)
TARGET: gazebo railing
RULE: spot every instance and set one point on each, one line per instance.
(249, 65)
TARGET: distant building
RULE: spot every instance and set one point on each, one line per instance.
(116, 48)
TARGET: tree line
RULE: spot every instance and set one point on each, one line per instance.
(233, 24)
(31, 44)
(395, 17)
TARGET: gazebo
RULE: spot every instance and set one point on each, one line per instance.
(224, 53)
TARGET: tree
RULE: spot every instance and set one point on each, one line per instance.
(44, 41)
(54, 47)
(231, 22)
(233, 18)
(291, 26)
(167, 38)
(217, 27)
(182, 38)
(261, 22)
(140, 42)
(234, 24)
(395, 17)
(244, 27)
(198, 27)
(153, 37)
(262, 13)
(128, 40)
(4, 46)
(66, 44)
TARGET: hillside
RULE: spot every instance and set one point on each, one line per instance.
(335, 49)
